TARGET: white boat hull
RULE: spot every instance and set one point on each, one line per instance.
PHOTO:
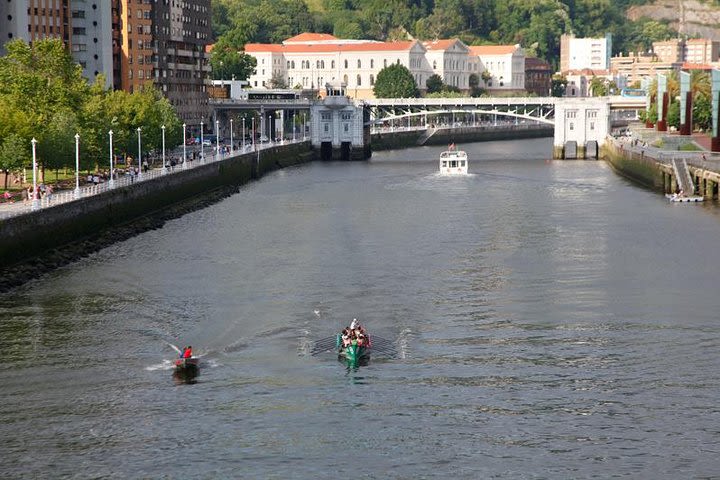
(453, 162)
(684, 199)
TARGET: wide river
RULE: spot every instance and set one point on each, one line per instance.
(548, 319)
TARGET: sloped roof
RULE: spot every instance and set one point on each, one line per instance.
(440, 44)
(329, 47)
(493, 49)
(310, 37)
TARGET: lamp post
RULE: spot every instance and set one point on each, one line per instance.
(293, 124)
(184, 144)
(253, 133)
(217, 139)
(243, 140)
(35, 200)
(231, 135)
(139, 162)
(77, 165)
(202, 143)
(163, 148)
(111, 182)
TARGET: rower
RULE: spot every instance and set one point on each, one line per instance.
(187, 353)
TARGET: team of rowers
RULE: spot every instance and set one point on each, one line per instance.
(355, 333)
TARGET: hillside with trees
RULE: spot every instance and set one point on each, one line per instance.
(534, 24)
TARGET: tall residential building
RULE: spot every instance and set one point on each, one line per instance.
(585, 53)
(693, 50)
(83, 25)
(163, 43)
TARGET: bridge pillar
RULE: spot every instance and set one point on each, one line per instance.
(580, 120)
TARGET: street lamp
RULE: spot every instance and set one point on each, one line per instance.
(77, 165)
(253, 133)
(139, 158)
(243, 140)
(184, 144)
(202, 143)
(35, 200)
(111, 182)
(217, 139)
(163, 148)
(231, 135)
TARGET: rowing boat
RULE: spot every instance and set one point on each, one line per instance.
(353, 353)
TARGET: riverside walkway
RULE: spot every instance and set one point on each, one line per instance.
(11, 209)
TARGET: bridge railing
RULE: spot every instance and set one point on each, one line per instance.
(123, 180)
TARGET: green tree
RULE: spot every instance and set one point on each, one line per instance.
(227, 62)
(395, 81)
(558, 85)
(673, 114)
(14, 153)
(702, 113)
(434, 83)
(278, 80)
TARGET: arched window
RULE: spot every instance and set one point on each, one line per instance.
(345, 79)
(322, 64)
(346, 64)
(332, 64)
(317, 63)
(359, 81)
(293, 64)
(288, 66)
(385, 63)
(434, 64)
(372, 80)
(359, 63)
(372, 63)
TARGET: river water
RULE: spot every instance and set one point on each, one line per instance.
(548, 319)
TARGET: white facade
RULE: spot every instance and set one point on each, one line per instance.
(90, 34)
(582, 53)
(13, 22)
(91, 41)
(309, 61)
(504, 63)
(580, 120)
(336, 122)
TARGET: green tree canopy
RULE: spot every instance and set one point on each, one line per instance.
(227, 62)
(395, 81)
(434, 83)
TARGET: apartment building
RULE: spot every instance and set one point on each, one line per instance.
(585, 53)
(693, 50)
(311, 60)
(83, 25)
(162, 43)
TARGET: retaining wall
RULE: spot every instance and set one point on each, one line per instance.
(636, 166)
(405, 139)
(38, 233)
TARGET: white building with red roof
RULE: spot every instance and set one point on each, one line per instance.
(505, 65)
(310, 60)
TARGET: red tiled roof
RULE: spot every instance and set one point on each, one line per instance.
(310, 37)
(329, 47)
(493, 49)
(697, 66)
(439, 44)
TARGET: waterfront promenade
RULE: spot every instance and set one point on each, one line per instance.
(20, 207)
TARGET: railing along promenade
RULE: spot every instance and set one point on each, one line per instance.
(11, 209)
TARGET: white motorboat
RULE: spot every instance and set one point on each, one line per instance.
(453, 162)
(684, 199)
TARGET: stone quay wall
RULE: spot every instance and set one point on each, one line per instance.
(412, 138)
(34, 242)
(641, 167)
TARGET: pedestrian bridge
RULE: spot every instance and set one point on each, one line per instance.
(581, 123)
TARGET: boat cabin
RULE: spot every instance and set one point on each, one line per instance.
(453, 162)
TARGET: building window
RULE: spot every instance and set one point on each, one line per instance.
(332, 64)
(346, 64)
(359, 81)
(359, 63)
(372, 63)
(372, 80)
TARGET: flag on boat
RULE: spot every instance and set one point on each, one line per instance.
(451, 146)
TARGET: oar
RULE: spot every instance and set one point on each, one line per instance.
(174, 347)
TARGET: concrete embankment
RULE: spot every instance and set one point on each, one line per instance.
(444, 136)
(42, 240)
(637, 166)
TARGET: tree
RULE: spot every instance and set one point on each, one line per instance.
(14, 152)
(673, 114)
(434, 83)
(278, 80)
(395, 81)
(558, 85)
(228, 63)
